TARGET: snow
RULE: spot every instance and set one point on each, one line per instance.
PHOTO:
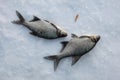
(21, 54)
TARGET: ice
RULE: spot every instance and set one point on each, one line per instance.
(21, 54)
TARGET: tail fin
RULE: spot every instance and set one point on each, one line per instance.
(56, 60)
(21, 19)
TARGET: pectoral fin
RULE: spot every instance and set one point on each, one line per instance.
(75, 59)
(64, 43)
(34, 33)
(35, 19)
(74, 36)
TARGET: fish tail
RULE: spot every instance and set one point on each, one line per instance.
(56, 60)
(21, 19)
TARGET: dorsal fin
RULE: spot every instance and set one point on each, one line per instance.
(74, 36)
(35, 19)
(75, 59)
(64, 43)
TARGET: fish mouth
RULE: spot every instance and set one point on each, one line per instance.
(64, 35)
(98, 37)
(95, 38)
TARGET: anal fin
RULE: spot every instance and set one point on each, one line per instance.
(75, 59)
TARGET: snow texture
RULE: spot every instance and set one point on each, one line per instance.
(21, 54)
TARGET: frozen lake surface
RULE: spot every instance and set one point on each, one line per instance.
(21, 54)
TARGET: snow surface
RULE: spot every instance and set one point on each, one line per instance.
(21, 54)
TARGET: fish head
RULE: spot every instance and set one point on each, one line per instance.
(95, 38)
(62, 33)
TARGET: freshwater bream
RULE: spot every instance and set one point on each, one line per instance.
(75, 48)
(41, 28)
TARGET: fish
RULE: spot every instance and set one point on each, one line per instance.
(75, 48)
(41, 28)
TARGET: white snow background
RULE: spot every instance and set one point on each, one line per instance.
(21, 54)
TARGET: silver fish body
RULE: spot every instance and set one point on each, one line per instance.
(41, 28)
(75, 48)
(44, 29)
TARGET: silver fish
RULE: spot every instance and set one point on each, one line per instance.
(41, 28)
(75, 48)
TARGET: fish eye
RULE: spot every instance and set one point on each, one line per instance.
(59, 33)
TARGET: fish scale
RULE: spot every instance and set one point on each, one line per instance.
(75, 48)
(41, 28)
